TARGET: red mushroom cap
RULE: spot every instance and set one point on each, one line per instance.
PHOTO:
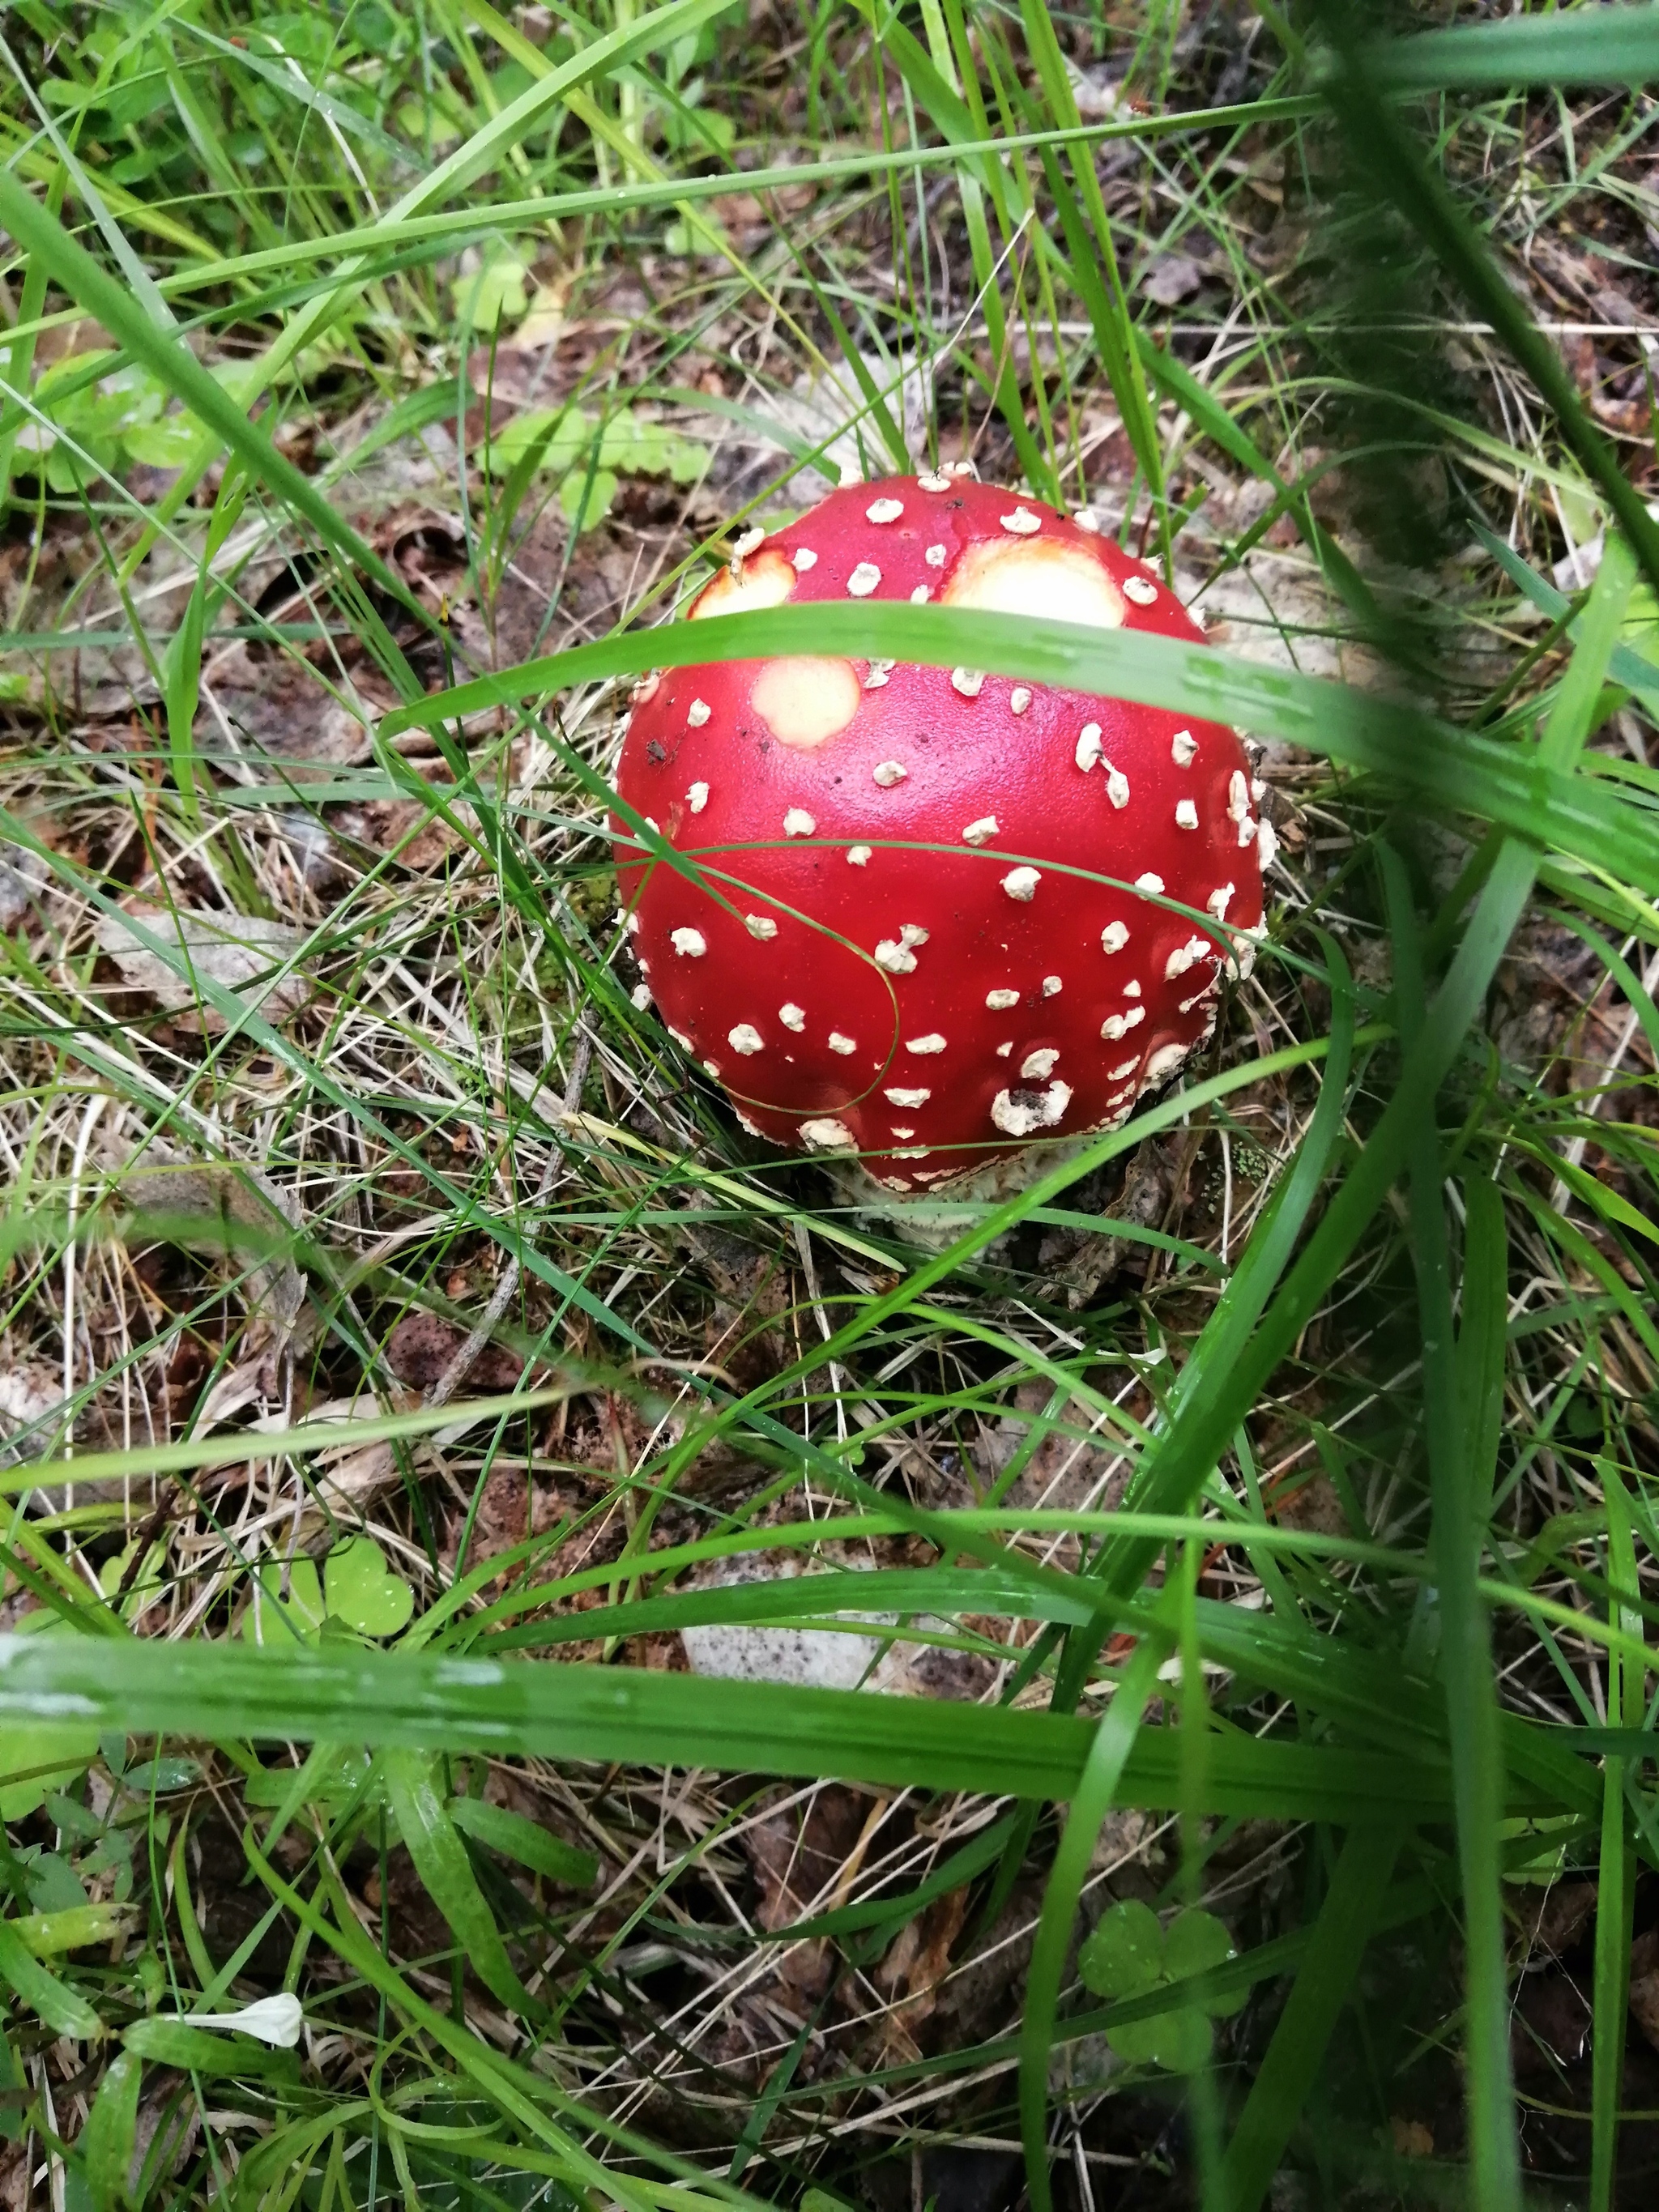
(934, 1011)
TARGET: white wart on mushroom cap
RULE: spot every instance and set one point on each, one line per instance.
(914, 951)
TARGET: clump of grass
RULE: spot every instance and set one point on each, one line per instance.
(1267, 1491)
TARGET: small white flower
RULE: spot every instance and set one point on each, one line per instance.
(276, 2020)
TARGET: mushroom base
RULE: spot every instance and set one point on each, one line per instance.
(930, 1218)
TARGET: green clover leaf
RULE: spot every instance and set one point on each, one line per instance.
(362, 1591)
(282, 1622)
(1130, 1954)
(1124, 1957)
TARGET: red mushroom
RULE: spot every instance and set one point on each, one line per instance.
(863, 993)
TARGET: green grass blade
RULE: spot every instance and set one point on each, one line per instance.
(1461, 1489)
(64, 2012)
(1301, 2038)
(1615, 1899)
(1381, 140)
(1517, 786)
(223, 1691)
(1576, 45)
(440, 1860)
(1097, 1791)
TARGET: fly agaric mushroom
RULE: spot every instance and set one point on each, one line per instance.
(861, 992)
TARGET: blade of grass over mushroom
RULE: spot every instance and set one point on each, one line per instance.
(829, 1425)
(1438, 763)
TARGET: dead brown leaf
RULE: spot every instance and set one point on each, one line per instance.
(243, 953)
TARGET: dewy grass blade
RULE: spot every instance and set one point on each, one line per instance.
(225, 1690)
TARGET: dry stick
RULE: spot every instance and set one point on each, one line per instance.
(502, 1296)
